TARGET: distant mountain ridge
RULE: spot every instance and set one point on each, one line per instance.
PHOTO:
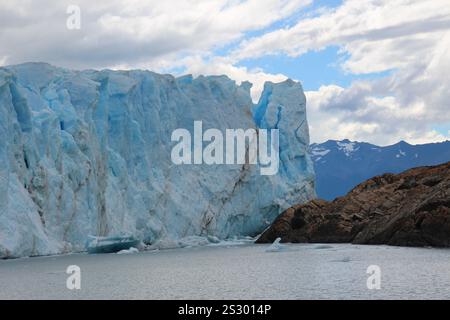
(342, 165)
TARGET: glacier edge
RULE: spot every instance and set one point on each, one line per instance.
(88, 153)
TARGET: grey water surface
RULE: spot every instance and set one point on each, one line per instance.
(294, 271)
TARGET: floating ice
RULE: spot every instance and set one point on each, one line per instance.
(110, 244)
(276, 246)
(129, 251)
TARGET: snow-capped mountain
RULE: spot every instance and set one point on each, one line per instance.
(341, 165)
(89, 153)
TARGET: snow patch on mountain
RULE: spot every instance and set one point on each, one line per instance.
(400, 154)
(319, 152)
(347, 147)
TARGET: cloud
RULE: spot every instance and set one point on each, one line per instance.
(220, 65)
(405, 41)
(409, 39)
(356, 113)
(157, 35)
(3, 61)
(355, 24)
(132, 33)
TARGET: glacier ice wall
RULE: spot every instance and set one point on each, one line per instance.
(88, 153)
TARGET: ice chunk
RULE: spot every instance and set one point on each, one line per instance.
(276, 246)
(213, 239)
(111, 244)
(129, 251)
(193, 241)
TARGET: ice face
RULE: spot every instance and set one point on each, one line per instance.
(88, 153)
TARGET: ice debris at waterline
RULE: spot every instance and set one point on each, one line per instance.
(111, 244)
(276, 246)
(129, 251)
(88, 153)
(198, 241)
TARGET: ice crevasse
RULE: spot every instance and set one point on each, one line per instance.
(88, 153)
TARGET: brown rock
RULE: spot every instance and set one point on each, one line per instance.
(408, 209)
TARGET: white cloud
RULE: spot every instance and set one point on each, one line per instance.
(155, 35)
(354, 113)
(219, 65)
(356, 25)
(3, 61)
(408, 38)
(133, 33)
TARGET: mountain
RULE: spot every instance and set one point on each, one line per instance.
(341, 165)
(407, 209)
(89, 153)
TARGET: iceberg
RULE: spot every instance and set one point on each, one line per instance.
(111, 244)
(276, 246)
(88, 153)
(129, 251)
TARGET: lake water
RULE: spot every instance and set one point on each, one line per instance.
(298, 271)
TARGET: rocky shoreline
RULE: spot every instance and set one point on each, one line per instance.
(407, 209)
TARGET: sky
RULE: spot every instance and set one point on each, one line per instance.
(373, 70)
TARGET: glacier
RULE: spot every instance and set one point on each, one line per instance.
(88, 153)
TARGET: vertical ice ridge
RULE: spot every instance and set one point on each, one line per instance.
(88, 153)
